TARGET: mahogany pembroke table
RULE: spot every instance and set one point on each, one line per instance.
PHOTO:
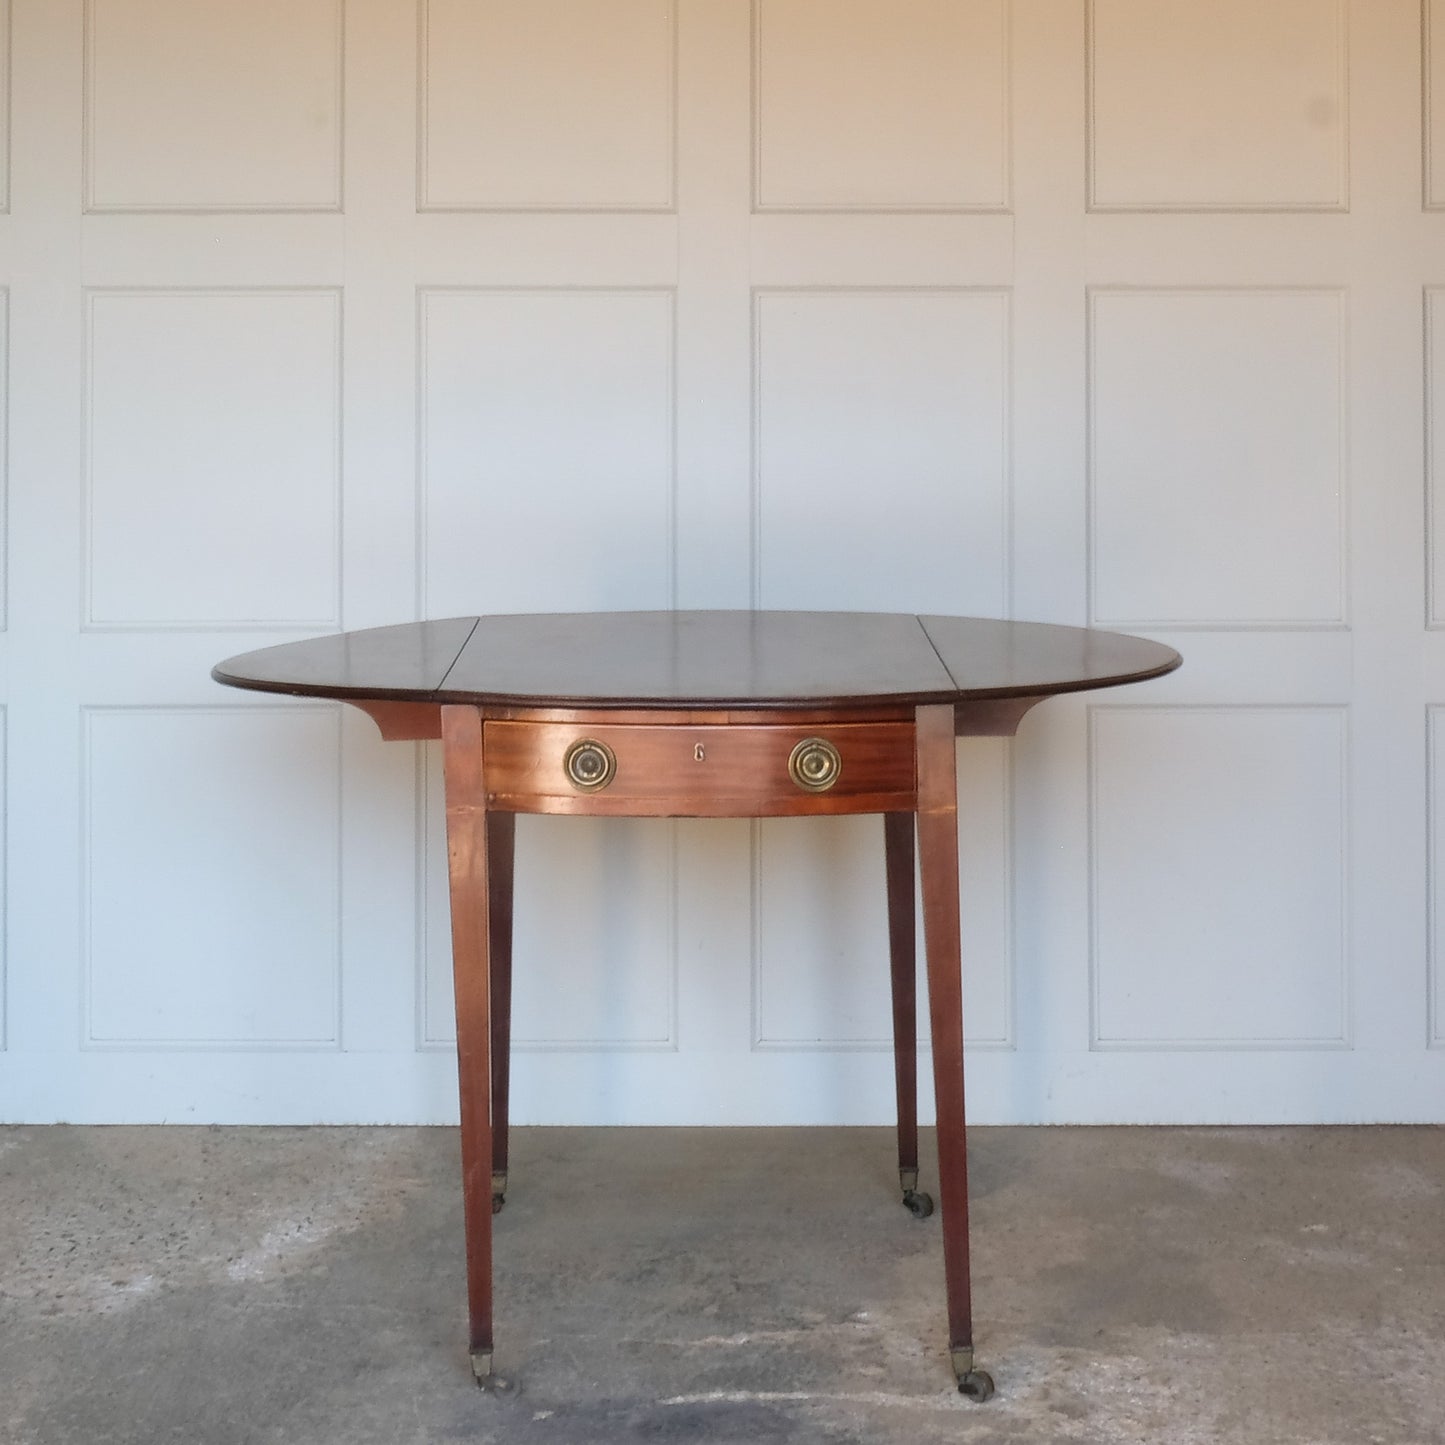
(704, 715)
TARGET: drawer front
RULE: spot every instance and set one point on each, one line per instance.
(675, 770)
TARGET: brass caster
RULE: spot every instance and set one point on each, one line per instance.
(500, 1385)
(917, 1203)
(976, 1385)
(973, 1384)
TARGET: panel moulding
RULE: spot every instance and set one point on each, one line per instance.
(1432, 34)
(89, 622)
(1002, 204)
(1434, 323)
(1339, 1041)
(7, 32)
(329, 204)
(1434, 896)
(4, 458)
(1339, 202)
(425, 294)
(1098, 617)
(760, 295)
(4, 880)
(331, 1043)
(663, 204)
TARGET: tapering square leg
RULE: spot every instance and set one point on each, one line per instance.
(501, 835)
(938, 867)
(469, 855)
(902, 966)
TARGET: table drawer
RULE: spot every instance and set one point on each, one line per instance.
(676, 770)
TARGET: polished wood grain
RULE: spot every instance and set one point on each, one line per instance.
(707, 771)
(501, 853)
(716, 659)
(741, 659)
(943, 952)
(407, 662)
(902, 969)
(400, 722)
(992, 659)
(469, 842)
(701, 711)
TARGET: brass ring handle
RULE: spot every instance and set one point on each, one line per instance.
(815, 765)
(590, 765)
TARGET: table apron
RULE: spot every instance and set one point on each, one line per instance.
(682, 770)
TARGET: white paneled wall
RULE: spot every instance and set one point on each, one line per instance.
(169, 794)
(1230, 106)
(1434, 96)
(1193, 439)
(1436, 801)
(865, 107)
(196, 513)
(851, 385)
(1435, 447)
(1228, 933)
(228, 105)
(541, 410)
(547, 105)
(334, 313)
(4, 453)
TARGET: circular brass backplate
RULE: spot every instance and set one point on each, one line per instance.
(814, 765)
(590, 765)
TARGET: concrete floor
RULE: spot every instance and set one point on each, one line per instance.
(1131, 1285)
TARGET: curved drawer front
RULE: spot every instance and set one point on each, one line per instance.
(675, 770)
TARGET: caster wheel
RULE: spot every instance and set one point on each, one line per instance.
(976, 1385)
(488, 1382)
(498, 1200)
(918, 1204)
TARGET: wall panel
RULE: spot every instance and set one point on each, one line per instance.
(5, 33)
(213, 459)
(4, 456)
(547, 105)
(334, 313)
(231, 105)
(1435, 824)
(192, 940)
(1433, 51)
(1220, 862)
(1435, 450)
(876, 410)
(4, 883)
(1217, 431)
(881, 105)
(1217, 105)
(547, 451)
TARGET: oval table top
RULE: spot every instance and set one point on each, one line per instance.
(703, 659)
